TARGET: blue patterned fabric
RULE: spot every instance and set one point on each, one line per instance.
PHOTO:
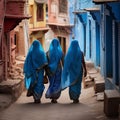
(55, 54)
(72, 71)
(36, 59)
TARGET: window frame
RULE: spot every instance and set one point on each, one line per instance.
(40, 12)
(63, 4)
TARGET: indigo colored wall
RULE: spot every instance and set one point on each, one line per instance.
(84, 29)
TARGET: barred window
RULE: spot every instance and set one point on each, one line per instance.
(40, 12)
(62, 6)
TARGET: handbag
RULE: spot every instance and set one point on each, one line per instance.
(45, 80)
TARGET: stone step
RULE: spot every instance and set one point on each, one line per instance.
(89, 64)
(99, 84)
(12, 87)
(87, 82)
(5, 101)
(100, 96)
(95, 75)
(111, 103)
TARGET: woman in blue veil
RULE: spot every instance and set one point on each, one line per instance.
(73, 71)
(54, 70)
(34, 65)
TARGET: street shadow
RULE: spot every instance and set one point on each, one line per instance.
(51, 105)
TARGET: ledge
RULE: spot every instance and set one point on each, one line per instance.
(105, 1)
(92, 9)
(61, 25)
(17, 16)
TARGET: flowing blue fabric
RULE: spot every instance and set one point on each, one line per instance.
(55, 54)
(72, 71)
(36, 59)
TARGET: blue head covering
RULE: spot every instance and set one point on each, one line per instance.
(36, 58)
(55, 54)
(72, 65)
(38, 55)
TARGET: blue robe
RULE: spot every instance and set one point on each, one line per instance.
(55, 55)
(34, 65)
(72, 71)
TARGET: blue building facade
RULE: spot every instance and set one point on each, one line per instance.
(97, 28)
(110, 37)
(86, 28)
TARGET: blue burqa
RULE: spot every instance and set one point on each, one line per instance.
(55, 55)
(72, 71)
(34, 70)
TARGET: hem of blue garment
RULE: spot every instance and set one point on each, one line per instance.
(75, 81)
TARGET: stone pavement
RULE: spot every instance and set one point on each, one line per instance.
(88, 108)
(5, 101)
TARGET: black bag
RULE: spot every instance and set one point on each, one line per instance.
(45, 79)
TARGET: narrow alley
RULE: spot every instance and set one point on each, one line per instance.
(30, 29)
(88, 108)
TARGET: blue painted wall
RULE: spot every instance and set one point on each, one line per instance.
(77, 30)
(110, 18)
(98, 36)
(84, 29)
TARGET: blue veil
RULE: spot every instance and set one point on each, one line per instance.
(38, 55)
(72, 65)
(55, 54)
(36, 59)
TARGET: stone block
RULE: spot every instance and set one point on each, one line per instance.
(12, 87)
(100, 96)
(111, 103)
(99, 85)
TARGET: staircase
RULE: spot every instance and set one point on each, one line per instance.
(94, 76)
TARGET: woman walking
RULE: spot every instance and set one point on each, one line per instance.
(73, 71)
(54, 70)
(34, 65)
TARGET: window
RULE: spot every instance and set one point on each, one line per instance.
(62, 6)
(40, 12)
(54, 7)
(46, 12)
(62, 41)
(31, 13)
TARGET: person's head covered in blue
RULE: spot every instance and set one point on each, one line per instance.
(55, 54)
(72, 65)
(55, 49)
(38, 55)
(36, 59)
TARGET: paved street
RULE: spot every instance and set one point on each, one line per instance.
(88, 108)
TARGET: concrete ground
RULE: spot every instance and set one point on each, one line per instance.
(88, 108)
